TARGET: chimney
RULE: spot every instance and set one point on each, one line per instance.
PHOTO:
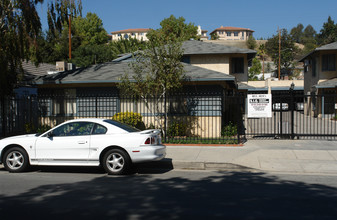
(61, 66)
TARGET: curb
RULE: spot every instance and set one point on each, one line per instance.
(205, 145)
(168, 164)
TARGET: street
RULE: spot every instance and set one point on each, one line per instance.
(88, 193)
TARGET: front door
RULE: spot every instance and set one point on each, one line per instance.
(66, 144)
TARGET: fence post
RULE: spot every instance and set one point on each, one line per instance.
(3, 116)
(165, 118)
(292, 105)
(96, 107)
(239, 122)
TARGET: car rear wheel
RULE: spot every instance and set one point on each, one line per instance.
(16, 160)
(116, 162)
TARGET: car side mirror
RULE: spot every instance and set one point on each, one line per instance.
(49, 134)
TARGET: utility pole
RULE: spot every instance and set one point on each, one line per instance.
(69, 36)
(279, 53)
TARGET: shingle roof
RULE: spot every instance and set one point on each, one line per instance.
(332, 46)
(194, 47)
(111, 72)
(40, 70)
(331, 83)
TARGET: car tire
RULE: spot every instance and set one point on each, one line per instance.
(16, 160)
(116, 162)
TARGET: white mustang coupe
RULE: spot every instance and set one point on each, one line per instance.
(83, 142)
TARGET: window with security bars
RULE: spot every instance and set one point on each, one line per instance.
(195, 105)
(97, 106)
(329, 62)
(238, 65)
(65, 103)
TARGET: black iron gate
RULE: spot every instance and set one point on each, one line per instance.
(296, 116)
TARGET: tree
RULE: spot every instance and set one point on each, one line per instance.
(92, 39)
(214, 36)
(92, 54)
(58, 14)
(297, 33)
(328, 33)
(19, 28)
(309, 39)
(157, 71)
(309, 32)
(124, 46)
(251, 43)
(89, 30)
(288, 51)
(254, 70)
(89, 38)
(262, 54)
(54, 43)
(175, 29)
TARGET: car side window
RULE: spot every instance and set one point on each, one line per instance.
(99, 129)
(74, 129)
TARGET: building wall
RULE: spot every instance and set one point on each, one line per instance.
(242, 35)
(310, 79)
(327, 74)
(220, 63)
(138, 36)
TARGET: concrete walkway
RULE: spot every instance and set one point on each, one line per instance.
(295, 156)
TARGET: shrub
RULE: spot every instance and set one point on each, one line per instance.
(29, 128)
(229, 130)
(177, 129)
(43, 128)
(151, 126)
(130, 118)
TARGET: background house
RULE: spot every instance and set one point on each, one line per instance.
(320, 80)
(221, 58)
(137, 33)
(320, 71)
(233, 33)
(202, 33)
(212, 71)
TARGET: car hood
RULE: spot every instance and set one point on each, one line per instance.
(19, 137)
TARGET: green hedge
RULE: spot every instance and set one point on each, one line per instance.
(130, 118)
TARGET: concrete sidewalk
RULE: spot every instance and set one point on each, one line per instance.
(295, 156)
(289, 156)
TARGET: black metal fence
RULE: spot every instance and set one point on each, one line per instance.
(190, 118)
(297, 116)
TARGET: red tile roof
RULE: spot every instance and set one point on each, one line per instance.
(135, 30)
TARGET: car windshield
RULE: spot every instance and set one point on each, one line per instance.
(122, 126)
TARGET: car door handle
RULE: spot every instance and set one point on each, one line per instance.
(81, 142)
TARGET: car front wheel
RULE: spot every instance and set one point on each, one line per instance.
(16, 160)
(116, 162)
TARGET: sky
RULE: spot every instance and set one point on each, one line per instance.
(261, 16)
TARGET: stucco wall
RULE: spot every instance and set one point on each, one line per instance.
(220, 63)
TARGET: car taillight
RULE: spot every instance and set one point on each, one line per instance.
(150, 140)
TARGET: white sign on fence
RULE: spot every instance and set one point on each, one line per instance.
(335, 105)
(259, 105)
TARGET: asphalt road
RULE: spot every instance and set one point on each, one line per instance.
(88, 193)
